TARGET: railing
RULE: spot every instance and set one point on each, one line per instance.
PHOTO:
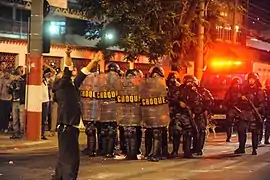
(13, 27)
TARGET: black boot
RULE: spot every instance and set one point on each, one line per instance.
(122, 137)
(157, 140)
(201, 142)
(132, 147)
(111, 142)
(148, 142)
(176, 143)
(229, 133)
(266, 135)
(255, 142)
(105, 141)
(171, 131)
(139, 138)
(99, 136)
(91, 139)
(242, 138)
(195, 142)
(164, 144)
(187, 145)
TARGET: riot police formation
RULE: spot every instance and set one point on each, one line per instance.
(201, 118)
(131, 102)
(129, 113)
(231, 98)
(155, 113)
(251, 106)
(267, 115)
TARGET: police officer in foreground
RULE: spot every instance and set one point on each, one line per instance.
(173, 86)
(251, 105)
(190, 104)
(267, 122)
(67, 96)
(155, 114)
(231, 99)
(201, 118)
(129, 113)
(172, 96)
(109, 85)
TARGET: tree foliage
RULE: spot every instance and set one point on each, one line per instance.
(154, 28)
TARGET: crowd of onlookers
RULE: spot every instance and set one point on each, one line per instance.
(13, 91)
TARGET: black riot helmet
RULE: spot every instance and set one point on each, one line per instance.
(236, 81)
(253, 75)
(156, 70)
(121, 73)
(190, 80)
(172, 75)
(130, 72)
(139, 73)
(253, 79)
(134, 73)
(172, 79)
(112, 67)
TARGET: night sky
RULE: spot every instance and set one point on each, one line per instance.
(259, 14)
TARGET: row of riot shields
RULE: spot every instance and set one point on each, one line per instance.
(128, 101)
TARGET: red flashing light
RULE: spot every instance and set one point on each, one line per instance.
(225, 63)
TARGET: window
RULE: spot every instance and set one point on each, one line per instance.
(57, 28)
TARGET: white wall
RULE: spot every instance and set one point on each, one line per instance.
(20, 48)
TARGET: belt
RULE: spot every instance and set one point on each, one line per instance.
(64, 127)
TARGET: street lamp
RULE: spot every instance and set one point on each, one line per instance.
(109, 36)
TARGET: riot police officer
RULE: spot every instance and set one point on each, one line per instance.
(173, 88)
(231, 99)
(251, 105)
(190, 103)
(129, 113)
(90, 111)
(267, 122)
(155, 112)
(109, 85)
(201, 118)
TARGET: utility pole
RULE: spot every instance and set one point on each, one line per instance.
(35, 64)
(131, 65)
(234, 34)
(198, 63)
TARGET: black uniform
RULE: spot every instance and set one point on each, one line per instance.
(173, 95)
(252, 94)
(173, 86)
(184, 121)
(109, 129)
(267, 115)
(69, 111)
(231, 99)
(156, 139)
(201, 120)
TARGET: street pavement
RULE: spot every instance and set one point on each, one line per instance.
(218, 163)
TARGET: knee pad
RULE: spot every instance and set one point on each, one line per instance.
(177, 132)
(90, 130)
(156, 133)
(187, 133)
(103, 132)
(111, 132)
(130, 131)
(202, 131)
